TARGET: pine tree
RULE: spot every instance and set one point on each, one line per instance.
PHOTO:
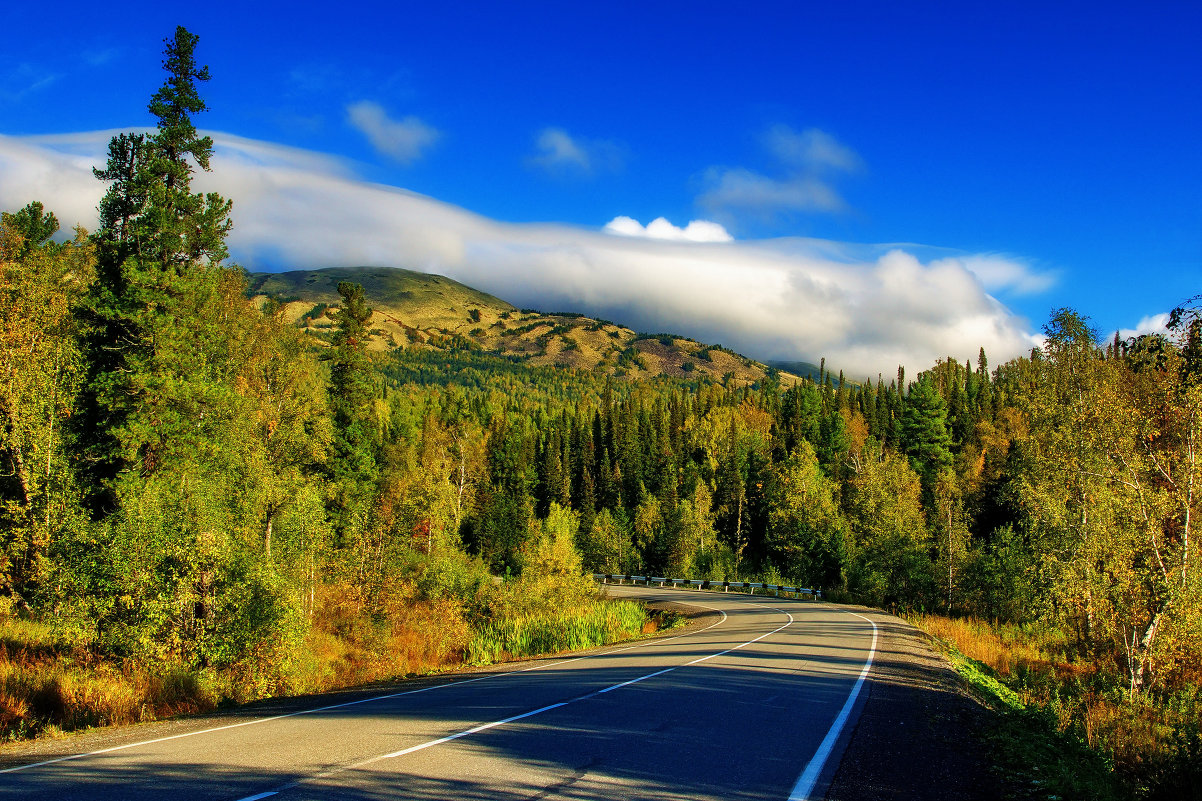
(166, 438)
(352, 391)
(33, 224)
(149, 393)
(922, 431)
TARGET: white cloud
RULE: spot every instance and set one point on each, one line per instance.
(866, 308)
(403, 141)
(24, 79)
(1150, 324)
(558, 152)
(807, 165)
(660, 228)
(811, 149)
(744, 190)
(1007, 274)
(56, 170)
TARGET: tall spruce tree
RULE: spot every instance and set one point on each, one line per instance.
(172, 471)
(352, 390)
(158, 249)
(922, 431)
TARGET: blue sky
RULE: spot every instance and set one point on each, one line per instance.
(1057, 144)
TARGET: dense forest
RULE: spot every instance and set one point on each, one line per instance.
(190, 481)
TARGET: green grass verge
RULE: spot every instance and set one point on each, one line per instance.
(1034, 759)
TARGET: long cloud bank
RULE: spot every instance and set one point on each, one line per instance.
(866, 308)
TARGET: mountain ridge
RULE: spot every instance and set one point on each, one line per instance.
(413, 309)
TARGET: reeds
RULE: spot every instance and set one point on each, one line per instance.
(585, 626)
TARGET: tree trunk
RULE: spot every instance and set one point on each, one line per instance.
(1139, 655)
(267, 536)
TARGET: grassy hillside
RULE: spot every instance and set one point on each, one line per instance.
(419, 310)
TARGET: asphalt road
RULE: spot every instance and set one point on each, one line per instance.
(753, 703)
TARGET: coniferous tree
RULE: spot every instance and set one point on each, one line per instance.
(166, 439)
(922, 431)
(985, 399)
(158, 248)
(33, 224)
(352, 390)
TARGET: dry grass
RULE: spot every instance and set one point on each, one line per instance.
(349, 646)
(1006, 649)
(53, 680)
(1145, 739)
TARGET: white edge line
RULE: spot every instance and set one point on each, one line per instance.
(749, 642)
(345, 704)
(809, 776)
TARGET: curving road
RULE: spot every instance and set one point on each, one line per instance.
(755, 703)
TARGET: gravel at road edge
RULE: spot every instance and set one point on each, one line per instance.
(920, 733)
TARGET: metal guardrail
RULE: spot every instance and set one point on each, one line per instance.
(706, 584)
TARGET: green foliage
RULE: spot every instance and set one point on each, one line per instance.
(806, 534)
(41, 368)
(631, 358)
(453, 575)
(33, 224)
(890, 543)
(922, 431)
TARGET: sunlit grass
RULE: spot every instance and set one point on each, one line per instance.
(55, 680)
(586, 626)
(1069, 729)
(52, 681)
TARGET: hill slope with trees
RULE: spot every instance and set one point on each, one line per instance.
(431, 312)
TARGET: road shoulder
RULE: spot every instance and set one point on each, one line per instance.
(920, 733)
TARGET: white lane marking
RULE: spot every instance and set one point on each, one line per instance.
(805, 782)
(466, 732)
(749, 642)
(636, 681)
(328, 707)
(484, 726)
